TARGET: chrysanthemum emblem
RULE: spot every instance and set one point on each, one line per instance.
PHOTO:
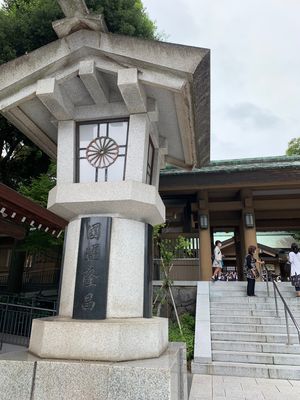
(102, 152)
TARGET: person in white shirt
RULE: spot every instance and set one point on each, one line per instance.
(218, 261)
(294, 258)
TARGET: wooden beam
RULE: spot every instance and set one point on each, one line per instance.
(94, 82)
(194, 181)
(280, 204)
(225, 206)
(10, 229)
(275, 214)
(278, 225)
(11, 199)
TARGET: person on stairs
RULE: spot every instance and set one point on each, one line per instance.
(294, 259)
(251, 271)
(218, 261)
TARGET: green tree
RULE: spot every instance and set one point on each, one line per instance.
(168, 250)
(39, 187)
(26, 25)
(293, 147)
(37, 190)
(127, 17)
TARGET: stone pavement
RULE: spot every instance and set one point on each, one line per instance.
(207, 387)
(8, 348)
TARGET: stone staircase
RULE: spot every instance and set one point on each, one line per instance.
(247, 339)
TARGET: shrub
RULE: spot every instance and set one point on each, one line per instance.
(188, 330)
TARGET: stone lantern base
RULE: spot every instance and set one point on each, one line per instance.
(107, 340)
(25, 377)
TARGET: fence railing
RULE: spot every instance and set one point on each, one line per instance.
(287, 310)
(16, 321)
(183, 269)
(186, 261)
(40, 279)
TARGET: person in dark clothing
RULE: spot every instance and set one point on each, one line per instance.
(251, 267)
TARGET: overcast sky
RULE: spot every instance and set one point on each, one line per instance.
(255, 68)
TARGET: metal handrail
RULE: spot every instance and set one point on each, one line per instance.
(286, 311)
(16, 319)
(286, 308)
(267, 280)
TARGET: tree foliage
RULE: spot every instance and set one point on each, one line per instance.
(127, 17)
(26, 25)
(39, 187)
(168, 250)
(293, 147)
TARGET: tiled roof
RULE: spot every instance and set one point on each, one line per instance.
(246, 164)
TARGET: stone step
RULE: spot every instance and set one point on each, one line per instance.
(242, 319)
(256, 358)
(250, 312)
(240, 286)
(253, 300)
(256, 347)
(247, 370)
(253, 306)
(255, 313)
(253, 337)
(255, 328)
(237, 293)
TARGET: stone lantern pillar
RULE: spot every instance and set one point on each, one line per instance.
(112, 205)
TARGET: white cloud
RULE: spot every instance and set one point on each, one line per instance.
(254, 71)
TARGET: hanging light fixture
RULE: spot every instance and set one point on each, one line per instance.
(249, 220)
(203, 221)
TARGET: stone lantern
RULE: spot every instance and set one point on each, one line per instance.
(113, 110)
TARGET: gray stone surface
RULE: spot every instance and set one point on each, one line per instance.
(248, 340)
(69, 269)
(206, 387)
(164, 70)
(8, 348)
(125, 291)
(71, 380)
(109, 340)
(16, 379)
(162, 378)
(73, 7)
(184, 296)
(202, 352)
(126, 199)
(137, 148)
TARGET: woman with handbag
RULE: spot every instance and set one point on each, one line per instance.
(294, 258)
(251, 270)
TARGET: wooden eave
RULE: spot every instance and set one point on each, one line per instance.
(191, 181)
(18, 209)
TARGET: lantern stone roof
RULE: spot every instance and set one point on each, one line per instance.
(91, 74)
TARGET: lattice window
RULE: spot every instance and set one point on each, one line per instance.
(101, 151)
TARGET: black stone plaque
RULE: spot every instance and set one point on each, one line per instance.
(148, 268)
(90, 297)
